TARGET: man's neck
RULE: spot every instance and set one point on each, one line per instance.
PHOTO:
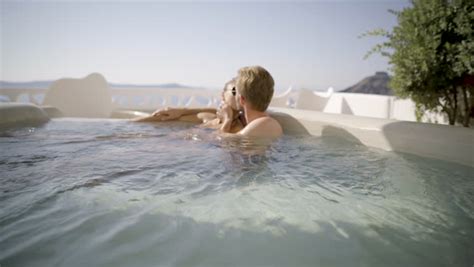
(251, 115)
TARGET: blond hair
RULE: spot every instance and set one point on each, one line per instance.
(255, 84)
(229, 83)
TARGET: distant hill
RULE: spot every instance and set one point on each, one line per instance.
(376, 84)
(21, 85)
(165, 86)
(46, 84)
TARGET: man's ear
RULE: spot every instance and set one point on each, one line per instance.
(242, 100)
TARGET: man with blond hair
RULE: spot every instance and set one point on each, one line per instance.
(253, 92)
(254, 86)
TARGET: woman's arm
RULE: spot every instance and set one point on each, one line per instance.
(169, 114)
(175, 113)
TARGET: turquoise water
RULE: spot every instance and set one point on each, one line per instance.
(115, 193)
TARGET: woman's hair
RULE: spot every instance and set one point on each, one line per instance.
(255, 84)
(230, 84)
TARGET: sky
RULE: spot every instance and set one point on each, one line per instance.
(310, 44)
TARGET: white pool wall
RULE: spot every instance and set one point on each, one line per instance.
(444, 142)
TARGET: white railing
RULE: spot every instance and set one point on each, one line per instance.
(27, 95)
(130, 98)
(148, 99)
(153, 98)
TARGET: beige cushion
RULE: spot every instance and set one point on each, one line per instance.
(89, 97)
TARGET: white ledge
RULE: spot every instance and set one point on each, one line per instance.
(444, 142)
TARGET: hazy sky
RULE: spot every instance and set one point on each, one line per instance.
(306, 44)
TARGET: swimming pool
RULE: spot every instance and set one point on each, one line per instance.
(94, 192)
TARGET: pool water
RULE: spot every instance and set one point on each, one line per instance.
(84, 192)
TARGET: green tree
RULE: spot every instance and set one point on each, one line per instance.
(431, 52)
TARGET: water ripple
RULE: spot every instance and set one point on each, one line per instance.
(116, 194)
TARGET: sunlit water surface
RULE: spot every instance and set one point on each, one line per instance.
(116, 193)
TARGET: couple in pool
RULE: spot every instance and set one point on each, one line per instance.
(242, 111)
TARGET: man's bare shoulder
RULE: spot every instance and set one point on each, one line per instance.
(263, 127)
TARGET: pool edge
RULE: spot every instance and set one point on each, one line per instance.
(444, 142)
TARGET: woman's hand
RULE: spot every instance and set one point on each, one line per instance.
(225, 112)
(226, 115)
(168, 114)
